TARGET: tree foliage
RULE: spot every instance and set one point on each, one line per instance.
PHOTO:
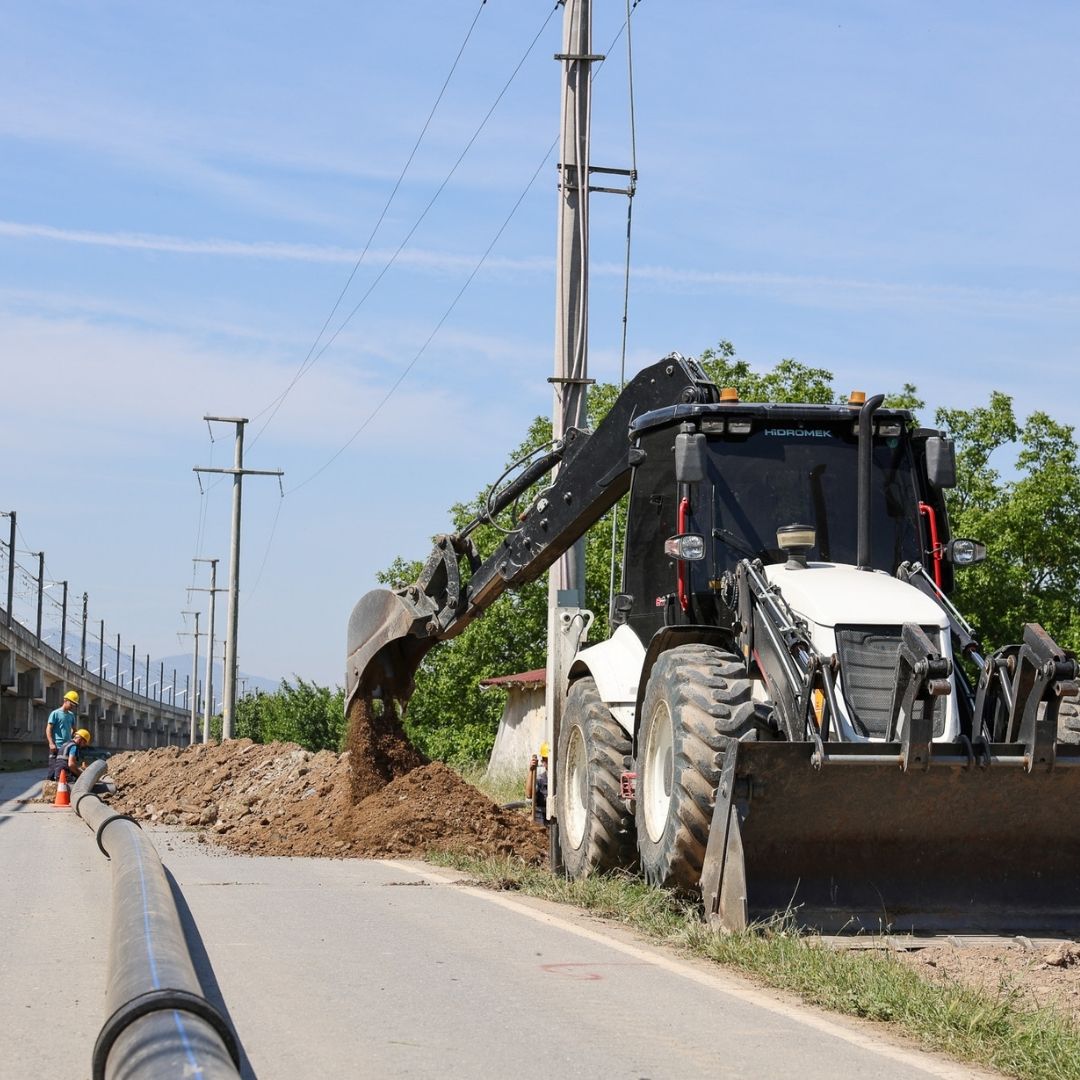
(304, 713)
(1029, 522)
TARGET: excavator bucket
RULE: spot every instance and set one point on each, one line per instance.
(846, 840)
(387, 640)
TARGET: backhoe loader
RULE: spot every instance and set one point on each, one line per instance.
(790, 715)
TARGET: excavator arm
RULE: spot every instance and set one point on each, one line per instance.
(390, 631)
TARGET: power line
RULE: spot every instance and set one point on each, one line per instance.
(476, 269)
(438, 326)
(310, 363)
(280, 399)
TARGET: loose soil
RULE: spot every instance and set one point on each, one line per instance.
(379, 751)
(1037, 977)
(280, 799)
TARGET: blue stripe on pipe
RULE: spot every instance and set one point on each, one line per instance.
(177, 1018)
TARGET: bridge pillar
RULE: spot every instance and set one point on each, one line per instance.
(32, 685)
(9, 672)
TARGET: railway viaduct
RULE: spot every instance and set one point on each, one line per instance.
(33, 680)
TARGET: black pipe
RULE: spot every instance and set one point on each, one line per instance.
(866, 454)
(159, 1024)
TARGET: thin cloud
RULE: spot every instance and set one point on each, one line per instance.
(803, 289)
(258, 249)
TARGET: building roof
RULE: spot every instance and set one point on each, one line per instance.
(524, 678)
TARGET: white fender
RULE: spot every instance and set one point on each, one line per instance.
(616, 666)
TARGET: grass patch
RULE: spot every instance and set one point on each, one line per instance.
(970, 1024)
(502, 788)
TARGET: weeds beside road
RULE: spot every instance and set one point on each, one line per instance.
(998, 1030)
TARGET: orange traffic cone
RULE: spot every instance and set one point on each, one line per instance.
(63, 793)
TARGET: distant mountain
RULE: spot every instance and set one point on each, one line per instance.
(246, 683)
(179, 662)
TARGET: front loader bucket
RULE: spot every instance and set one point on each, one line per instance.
(854, 843)
(386, 641)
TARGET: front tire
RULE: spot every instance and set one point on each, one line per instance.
(698, 698)
(596, 831)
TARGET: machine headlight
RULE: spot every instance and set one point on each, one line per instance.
(689, 547)
(963, 552)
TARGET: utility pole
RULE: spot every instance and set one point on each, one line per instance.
(238, 472)
(117, 659)
(82, 661)
(566, 578)
(40, 589)
(193, 700)
(101, 652)
(11, 565)
(63, 623)
(213, 591)
(132, 670)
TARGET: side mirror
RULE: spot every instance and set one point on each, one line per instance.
(621, 606)
(961, 552)
(689, 457)
(941, 462)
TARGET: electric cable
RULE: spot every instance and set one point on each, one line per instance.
(269, 542)
(453, 304)
(309, 364)
(280, 399)
(631, 188)
(438, 326)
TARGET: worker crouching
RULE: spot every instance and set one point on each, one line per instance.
(69, 756)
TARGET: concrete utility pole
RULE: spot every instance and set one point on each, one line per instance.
(85, 601)
(237, 472)
(11, 565)
(40, 589)
(213, 591)
(63, 623)
(571, 381)
(566, 578)
(193, 700)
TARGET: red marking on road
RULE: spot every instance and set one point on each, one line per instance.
(586, 972)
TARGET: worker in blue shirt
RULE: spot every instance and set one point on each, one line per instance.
(61, 724)
(69, 757)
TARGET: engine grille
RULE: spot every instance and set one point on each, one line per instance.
(868, 672)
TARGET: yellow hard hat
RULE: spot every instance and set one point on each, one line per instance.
(82, 733)
(545, 750)
(72, 696)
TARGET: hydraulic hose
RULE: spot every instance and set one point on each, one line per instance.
(159, 1024)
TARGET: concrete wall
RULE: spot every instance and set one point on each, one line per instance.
(521, 731)
(33, 681)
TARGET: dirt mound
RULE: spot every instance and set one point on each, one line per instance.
(379, 751)
(280, 799)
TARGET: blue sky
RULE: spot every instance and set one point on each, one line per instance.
(888, 191)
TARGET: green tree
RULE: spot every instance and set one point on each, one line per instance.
(1030, 523)
(303, 713)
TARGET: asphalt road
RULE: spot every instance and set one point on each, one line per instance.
(359, 968)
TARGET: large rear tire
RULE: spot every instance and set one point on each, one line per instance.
(698, 698)
(596, 830)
